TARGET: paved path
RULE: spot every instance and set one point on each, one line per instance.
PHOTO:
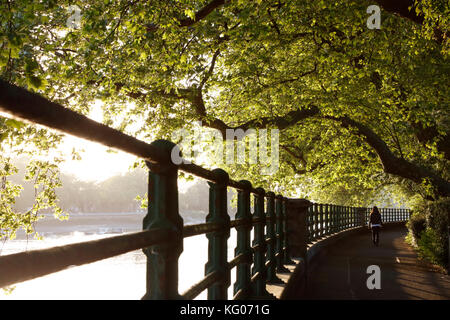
(342, 273)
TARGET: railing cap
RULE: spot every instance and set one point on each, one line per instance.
(260, 191)
(270, 194)
(220, 176)
(246, 185)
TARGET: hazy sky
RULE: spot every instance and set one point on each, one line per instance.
(96, 162)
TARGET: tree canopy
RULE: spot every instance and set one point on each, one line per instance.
(361, 112)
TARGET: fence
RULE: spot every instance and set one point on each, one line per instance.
(326, 219)
(255, 262)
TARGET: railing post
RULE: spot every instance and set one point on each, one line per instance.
(350, 217)
(354, 217)
(297, 231)
(217, 240)
(162, 259)
(330, 217)
(308, 233)
(347, 215)
(349, 211)
(259, 243)
(271, 237)
(334, 213)
(243, 275)
(280, 236)
(339, 222)
(338, 218)
(286, 248)
(321, 220)
(316, 221)
(360, 216)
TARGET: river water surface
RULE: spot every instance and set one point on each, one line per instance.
(121, 277)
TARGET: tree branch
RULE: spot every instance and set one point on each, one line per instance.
(211, 69)
(401, 8)
(391, 163)
(199, 15)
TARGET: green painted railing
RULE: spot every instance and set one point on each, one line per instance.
(256, 262)
(326, 219)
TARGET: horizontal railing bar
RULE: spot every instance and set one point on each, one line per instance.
(256, 276)
(197, 229)
(236, 260)
(239, 222)
(269, 263)
(256, 247)
(258, 220)
(23, 266)
(31, 107)
(238, 294)
(203, 284)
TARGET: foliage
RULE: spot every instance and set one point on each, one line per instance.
(17, 138)
(417, 224)
(428, 227)
(436, 20)
(362, 113)
(431, 247)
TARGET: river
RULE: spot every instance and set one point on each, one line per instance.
(120, 277)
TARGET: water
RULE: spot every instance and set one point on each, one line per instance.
(120, 277)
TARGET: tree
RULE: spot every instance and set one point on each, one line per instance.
(359, 110)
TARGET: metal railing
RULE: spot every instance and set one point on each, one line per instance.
(256, 262)
(162, 238)
(327, 219)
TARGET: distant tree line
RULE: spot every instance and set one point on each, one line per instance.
(115, 194)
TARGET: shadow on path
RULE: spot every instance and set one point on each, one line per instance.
(342, 273)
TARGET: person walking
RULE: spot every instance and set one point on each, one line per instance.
(375, 224)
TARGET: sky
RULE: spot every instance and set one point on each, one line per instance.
(96, 162)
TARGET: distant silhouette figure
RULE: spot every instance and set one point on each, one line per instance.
(375, 224)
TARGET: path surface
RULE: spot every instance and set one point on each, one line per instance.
(342, 273)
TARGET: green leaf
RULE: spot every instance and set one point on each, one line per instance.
(12, 123)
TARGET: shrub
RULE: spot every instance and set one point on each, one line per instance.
(428, 228)
(417, 223)
(431, 247)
